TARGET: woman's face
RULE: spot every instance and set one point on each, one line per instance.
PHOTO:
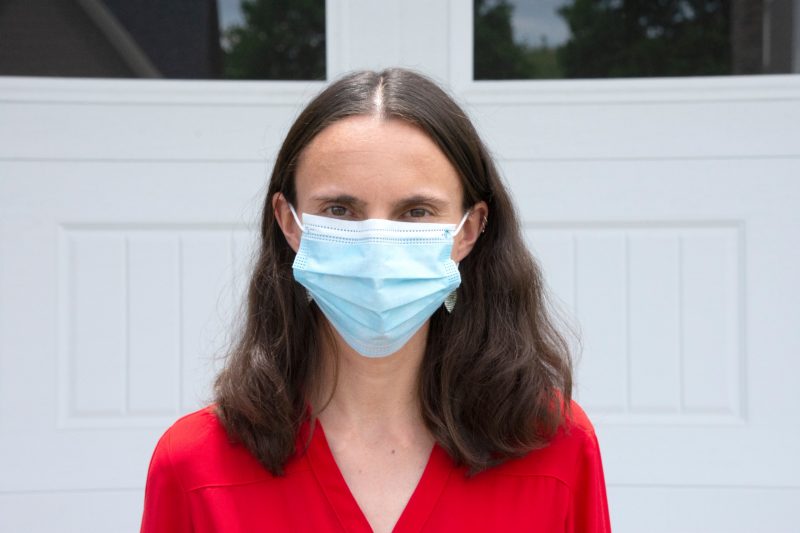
(368, 167)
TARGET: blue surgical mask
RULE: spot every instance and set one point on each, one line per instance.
(377, 281)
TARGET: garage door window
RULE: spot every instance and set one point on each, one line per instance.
(180, 39)
(529, 39)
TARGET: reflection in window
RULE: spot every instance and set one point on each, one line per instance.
(200, 39)
(273, 39)
(524, 39)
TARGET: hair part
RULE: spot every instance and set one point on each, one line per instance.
(496, 378)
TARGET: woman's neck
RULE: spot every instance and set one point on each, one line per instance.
(371, 395)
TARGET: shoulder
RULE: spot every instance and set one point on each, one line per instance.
(578, 421)
(194, 434)
(573, 449)
(571, 458)
(576, 437)
(197, 449)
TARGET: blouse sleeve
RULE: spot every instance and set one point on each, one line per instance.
(165, 503)
(589, 509)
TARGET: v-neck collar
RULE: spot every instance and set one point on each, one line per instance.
(417, 510)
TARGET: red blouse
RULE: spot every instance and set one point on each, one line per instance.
(199, 482)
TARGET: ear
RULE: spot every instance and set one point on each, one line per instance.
(470, 231)
(291, 231)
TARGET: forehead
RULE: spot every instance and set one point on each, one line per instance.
(375, 159)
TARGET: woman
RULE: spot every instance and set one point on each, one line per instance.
(393, 304)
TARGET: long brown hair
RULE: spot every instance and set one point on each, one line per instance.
(496, 378)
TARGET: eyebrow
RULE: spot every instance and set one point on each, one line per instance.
(421, 199)
(347, 199)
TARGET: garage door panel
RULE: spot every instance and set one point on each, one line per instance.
(679, 273)
(703, 509)
(748, 455)
(660, 316)
(123, 307)
(586, 129)
(76, 459)
(67, 511)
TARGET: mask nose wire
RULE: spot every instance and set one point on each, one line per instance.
(294, 214)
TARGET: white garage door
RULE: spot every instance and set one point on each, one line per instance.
(664, 214)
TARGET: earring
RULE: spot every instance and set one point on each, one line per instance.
(483, 223)
(450, 301)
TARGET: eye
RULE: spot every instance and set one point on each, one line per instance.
(418, 212)
(337, 210)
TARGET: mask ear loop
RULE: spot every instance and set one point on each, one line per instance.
(294, 214)
(461, 224)
(309, 297)
(450, 300)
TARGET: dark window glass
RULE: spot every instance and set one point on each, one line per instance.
(273, 39)
(524, 39)
(199, 39)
